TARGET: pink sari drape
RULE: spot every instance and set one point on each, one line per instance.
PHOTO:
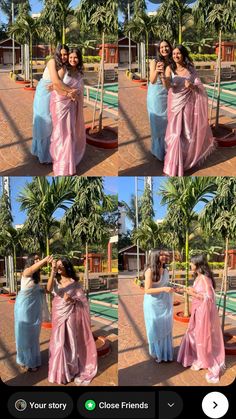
(188, 137)
(203, 343)
(72, 349)
(68, 140)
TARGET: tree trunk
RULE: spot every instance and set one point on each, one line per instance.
(86, 270)
(219, 77)
(180, 30)
(63, 33)
(173, 265)
(31, 61)
(186, 299)
(225, 282)
(147, 56)
(102, 84)
(15, 271)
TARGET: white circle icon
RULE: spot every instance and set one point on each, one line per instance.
(20, 405)
(215, 405)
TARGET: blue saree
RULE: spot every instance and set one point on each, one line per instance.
(28, 317)
(158, 316)
(157, 112)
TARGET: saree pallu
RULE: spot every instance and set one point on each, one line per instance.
(189, 138)
(68, 140)
(28, 317)
(158, 316)
(72, 350)
(42, 123)
(203, 343)
(157, 112)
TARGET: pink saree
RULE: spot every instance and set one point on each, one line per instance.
(203, 344)
(188, 138)
(68, 140)
(72, 349)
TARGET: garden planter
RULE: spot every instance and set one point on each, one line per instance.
(12, 301)
(230, 344)
(144, 87)
(225, 136)
(176, 303)
(107, 138)
(22, 81)
(10, 294)
(29, 88)
(139, 80)
(46, 325)
(103, 346)
(179, 316)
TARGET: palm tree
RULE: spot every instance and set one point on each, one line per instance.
(219, 216)
(84, 219)
(131, 210)
(148, 235)
(55, 17)
(41, 199)
(176, 11)
(103, 16)
(25, 29)
(221, 15)
(182, 195)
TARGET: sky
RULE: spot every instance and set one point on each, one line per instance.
(17, 184)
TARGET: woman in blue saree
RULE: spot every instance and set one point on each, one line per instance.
(158, 307)
(157, 99)
(28, 315)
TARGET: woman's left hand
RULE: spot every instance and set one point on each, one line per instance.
(188, 85)
(49, 87)
(68, 298)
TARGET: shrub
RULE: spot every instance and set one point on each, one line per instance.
(88, 59)
(203, 57)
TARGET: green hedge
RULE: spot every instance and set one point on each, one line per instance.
(91, 59)
(182, 265)
(203, 57)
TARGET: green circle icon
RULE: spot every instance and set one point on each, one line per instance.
(90, 405)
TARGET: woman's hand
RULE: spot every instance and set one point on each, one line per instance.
(68, 298)
(49, 87)
(188, 85)
(160, 67)
(54, 266)
(190, 291)
(168, 289)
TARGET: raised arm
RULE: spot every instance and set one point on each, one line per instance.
(156, 69)
(52, 276)
(36, 266)
(148, 285)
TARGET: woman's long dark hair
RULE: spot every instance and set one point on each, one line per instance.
(154, 264)
(187, 61)
(30, 261)
(79, 66)
(160, 57)
(57, 55)
(203, 268)
(69, 268)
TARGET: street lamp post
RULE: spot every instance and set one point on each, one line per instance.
(136, 211)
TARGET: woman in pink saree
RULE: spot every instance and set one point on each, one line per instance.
(68, 140)
(188, 138)
(203, 344)
(72, 349)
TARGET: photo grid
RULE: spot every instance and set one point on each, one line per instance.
(117, 217)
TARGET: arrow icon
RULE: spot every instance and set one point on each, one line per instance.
(170, 404)
(215, 405)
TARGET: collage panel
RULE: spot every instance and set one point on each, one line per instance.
(58, 281)
(59, 88)
(177, 281)
(177, 86)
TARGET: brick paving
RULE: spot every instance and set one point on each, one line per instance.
(16, 137)
(11, 373)
(135, 365)
(135, 158)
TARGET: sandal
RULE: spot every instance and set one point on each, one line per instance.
(33, 369)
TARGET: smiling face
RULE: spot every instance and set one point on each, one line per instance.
(73, 59)
(164, 257)
(164, 49)
(64, 55)
(60, 268)
(177, 56)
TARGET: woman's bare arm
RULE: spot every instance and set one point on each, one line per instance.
(148, 285)
(166, 79)
(55, 79)
(52, 276)
(36, 266)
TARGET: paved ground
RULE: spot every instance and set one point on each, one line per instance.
(16, 137)
(135, 365)
(135, 158)
(11, 374)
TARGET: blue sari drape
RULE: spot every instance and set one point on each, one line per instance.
(28, 318)
(158, 316)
